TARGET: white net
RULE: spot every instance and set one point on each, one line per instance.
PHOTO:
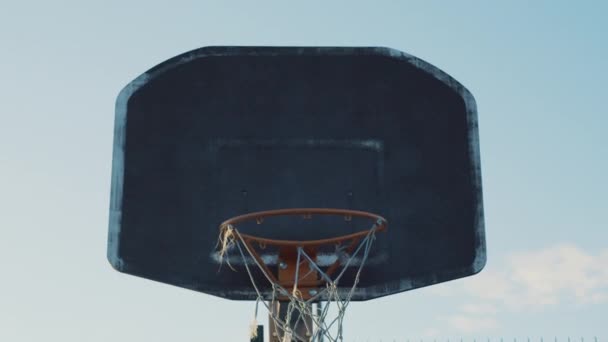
(296, 320)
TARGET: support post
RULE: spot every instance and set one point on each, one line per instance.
(319, 312)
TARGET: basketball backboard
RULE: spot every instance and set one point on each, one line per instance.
(222, 131)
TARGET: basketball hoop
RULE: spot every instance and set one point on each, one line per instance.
(257, 129)
(299, 279)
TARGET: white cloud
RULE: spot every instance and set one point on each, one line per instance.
(480, 308)
(532, 281)
(473, 324)
(431, 332)
(537, 279)
(563, 270)
(489, 285)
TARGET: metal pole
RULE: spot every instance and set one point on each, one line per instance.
(319, 319)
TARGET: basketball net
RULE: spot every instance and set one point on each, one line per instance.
(327, 322)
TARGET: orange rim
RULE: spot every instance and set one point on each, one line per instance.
(380, 223)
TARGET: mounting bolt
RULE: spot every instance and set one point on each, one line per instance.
(312, 292)
(282, 265)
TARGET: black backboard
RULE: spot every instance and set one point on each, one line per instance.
(222, 131)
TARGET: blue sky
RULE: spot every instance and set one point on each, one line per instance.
(537, 70)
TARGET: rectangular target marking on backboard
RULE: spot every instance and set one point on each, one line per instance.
(270, 171)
